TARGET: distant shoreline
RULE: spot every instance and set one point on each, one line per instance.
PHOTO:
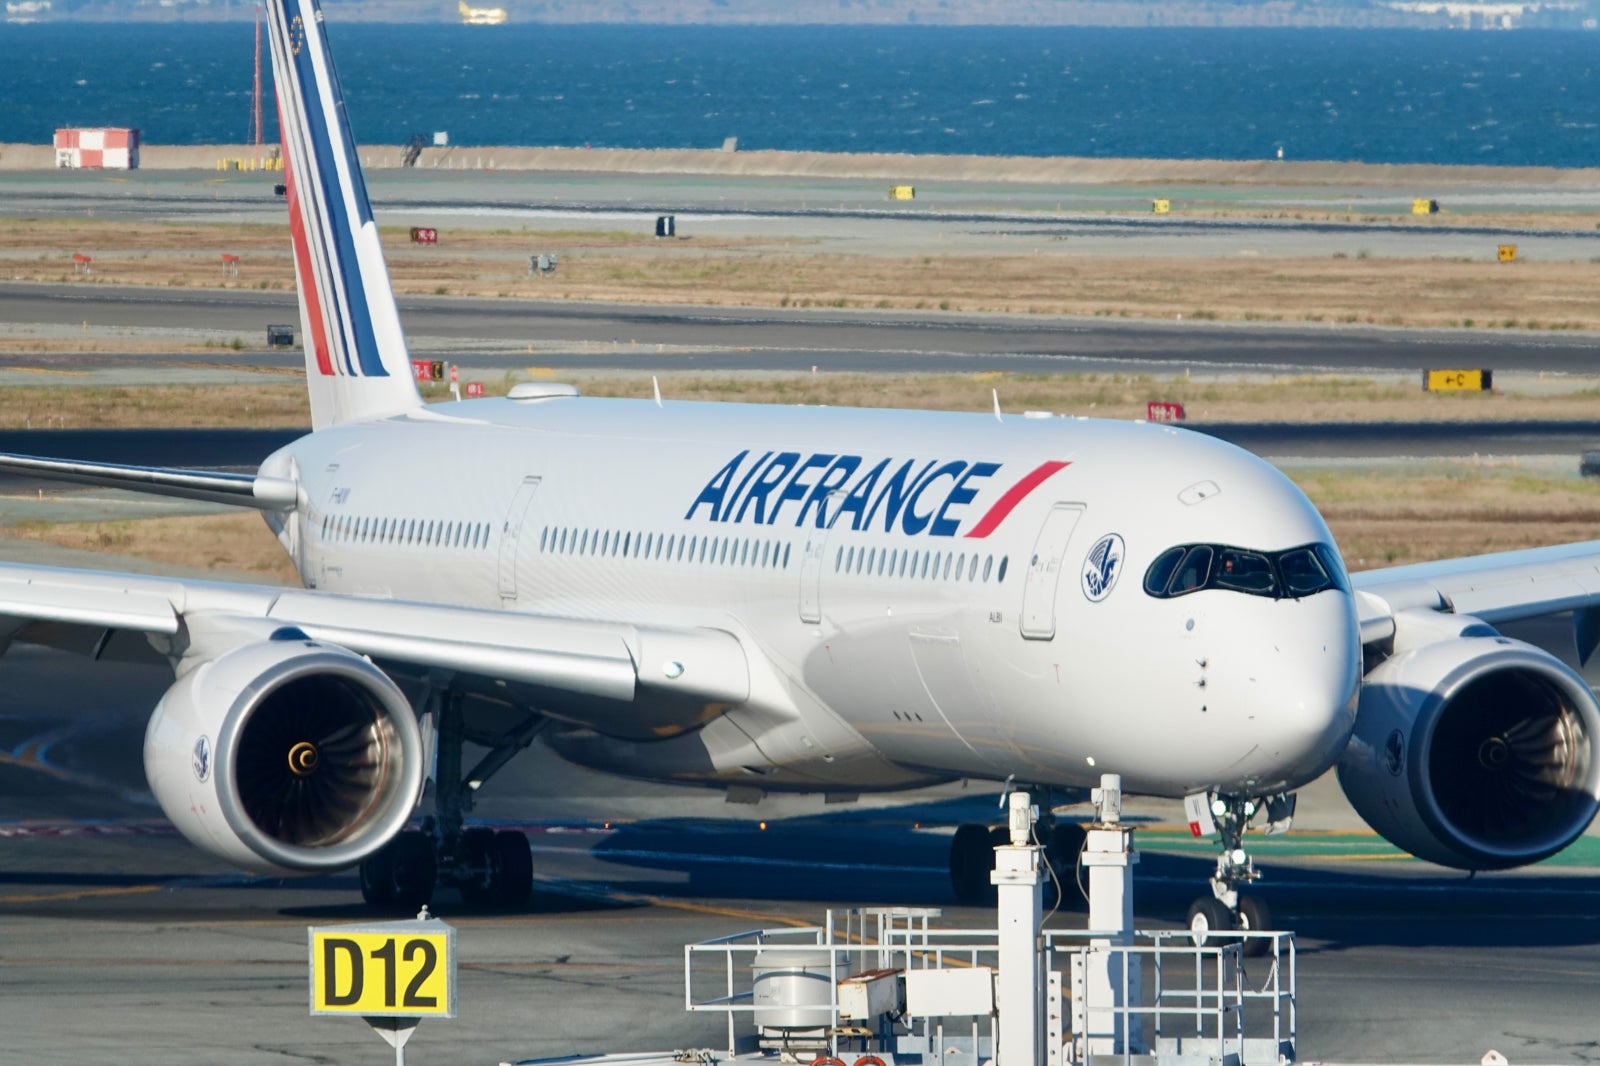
(1060, 170)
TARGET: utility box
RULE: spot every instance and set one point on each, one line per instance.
(870, 995)
(902, 192)
(1424, 207)
(1161, 207)
(280, 336)
(112, 149)
(946, 993)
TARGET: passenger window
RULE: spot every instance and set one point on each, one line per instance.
(1001, 576)
(786, 556)
(988, 562)
(972, 568)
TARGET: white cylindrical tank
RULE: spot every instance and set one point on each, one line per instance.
(791, 990)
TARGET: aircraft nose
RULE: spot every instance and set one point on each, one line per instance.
(1295, 685)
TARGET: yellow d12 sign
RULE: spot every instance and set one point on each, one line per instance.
(388, 969)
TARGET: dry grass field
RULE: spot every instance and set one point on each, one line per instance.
(279, 400)
(1051, 279)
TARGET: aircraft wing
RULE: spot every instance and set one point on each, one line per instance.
(1502, 587)
(242, 490)
(595, 672)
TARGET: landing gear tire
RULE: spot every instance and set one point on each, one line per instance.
(971, 860)
(514, 867)
(477, 856)
(1254, 917)
(1207, 918)
(401, 875)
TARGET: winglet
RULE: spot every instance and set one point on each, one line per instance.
(357, 365)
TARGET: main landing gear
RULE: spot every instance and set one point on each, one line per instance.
(491, 869)
(972, 856)
(1228, 910)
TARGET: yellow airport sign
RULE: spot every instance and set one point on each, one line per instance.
(1161, 207)
(1508, 253)
(1458, 380)
(387, 969)
(902, 192)
(1424, 207)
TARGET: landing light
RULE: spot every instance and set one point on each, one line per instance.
(673, 669)
(1238, 857)
(1219, 808)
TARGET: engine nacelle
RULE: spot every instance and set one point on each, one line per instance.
(285, 755)
(1477, 752)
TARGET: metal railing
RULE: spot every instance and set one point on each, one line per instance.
(1194, 996)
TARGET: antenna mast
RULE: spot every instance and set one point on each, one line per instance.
(255, 111)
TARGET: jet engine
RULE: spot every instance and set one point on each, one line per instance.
(1478, 752)
(285, 755)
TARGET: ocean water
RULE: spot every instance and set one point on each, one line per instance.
(1522, 98)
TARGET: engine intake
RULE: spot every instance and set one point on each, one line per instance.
(285, 755)
(1477, 752)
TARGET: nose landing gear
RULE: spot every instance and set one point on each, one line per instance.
(1227, 909)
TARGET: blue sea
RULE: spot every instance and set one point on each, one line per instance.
(1520, 98)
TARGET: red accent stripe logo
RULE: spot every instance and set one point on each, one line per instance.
(302, 258)
(1015, 495)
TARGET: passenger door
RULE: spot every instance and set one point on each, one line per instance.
(511, 537)
(1044, 571)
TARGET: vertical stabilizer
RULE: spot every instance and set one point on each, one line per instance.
(357, 366)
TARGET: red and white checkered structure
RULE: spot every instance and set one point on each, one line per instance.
(116, 149)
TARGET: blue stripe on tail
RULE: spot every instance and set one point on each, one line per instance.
(337, 224)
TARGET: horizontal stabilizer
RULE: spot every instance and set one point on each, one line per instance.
(240, 490)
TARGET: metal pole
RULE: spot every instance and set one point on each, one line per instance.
(1018, 878)
(1110, 986)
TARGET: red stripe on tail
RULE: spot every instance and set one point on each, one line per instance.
(308, 280)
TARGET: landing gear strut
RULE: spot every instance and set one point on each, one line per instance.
(1227, 909)
(489, 868)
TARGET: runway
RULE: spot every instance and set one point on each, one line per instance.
(124, 942)
(495, 334)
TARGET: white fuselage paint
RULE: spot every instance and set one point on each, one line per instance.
(910, 665)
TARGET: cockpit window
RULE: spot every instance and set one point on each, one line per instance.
(1293, 573)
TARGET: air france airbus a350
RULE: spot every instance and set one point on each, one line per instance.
(765, 598)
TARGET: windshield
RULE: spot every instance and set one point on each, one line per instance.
(1292, 573)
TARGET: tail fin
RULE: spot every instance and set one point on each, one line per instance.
(357, 365)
